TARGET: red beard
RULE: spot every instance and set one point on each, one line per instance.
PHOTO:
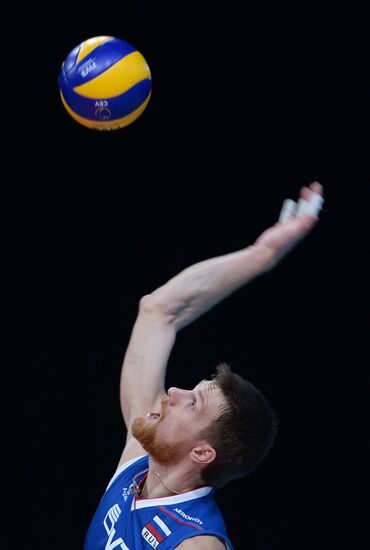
(162, 452)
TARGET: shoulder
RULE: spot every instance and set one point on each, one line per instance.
(203, 542)
(129, 468)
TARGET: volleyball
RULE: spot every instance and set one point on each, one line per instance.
(105, 83)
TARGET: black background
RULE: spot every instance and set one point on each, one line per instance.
(248, 105)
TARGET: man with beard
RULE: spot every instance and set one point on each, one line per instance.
(184, 444)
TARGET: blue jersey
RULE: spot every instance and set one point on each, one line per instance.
(123, 521)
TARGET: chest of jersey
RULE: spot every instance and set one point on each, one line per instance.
(123, 521)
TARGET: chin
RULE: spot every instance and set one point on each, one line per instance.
(144, 429)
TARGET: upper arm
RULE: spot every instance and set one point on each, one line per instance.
(203, 542)
(144, 366)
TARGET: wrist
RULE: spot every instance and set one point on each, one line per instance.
(265, 256)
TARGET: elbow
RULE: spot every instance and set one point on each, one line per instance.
(152, 305)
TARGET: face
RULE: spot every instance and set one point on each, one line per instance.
(167, 435)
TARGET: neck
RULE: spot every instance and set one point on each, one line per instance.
(165, 481)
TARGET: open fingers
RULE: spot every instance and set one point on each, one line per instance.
(309, 203)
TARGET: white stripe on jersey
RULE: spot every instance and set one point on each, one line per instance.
(162, 525)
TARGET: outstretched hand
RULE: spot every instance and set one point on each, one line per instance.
(295, 222)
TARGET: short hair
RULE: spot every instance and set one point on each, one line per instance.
(244, 432)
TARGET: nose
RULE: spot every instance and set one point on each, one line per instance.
(175, 395)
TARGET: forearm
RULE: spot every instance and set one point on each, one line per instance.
(201, 286)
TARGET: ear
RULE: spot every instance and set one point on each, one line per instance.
(203, 454)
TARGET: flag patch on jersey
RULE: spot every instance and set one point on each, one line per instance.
(155, 531)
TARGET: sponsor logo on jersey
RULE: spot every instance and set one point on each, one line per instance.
(126, 492)
(109, 522)
(186, 516)
(155, 531)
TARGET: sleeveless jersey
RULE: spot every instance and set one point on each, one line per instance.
(123, 521)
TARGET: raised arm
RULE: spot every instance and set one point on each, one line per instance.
(191, 293)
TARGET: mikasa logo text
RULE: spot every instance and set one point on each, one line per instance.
(87, 67)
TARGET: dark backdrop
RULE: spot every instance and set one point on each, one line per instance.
(248, 105)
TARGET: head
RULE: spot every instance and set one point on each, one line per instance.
(224, 426)
(243, 434)
(171, 434)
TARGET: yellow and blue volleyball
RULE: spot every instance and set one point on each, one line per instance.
(105, 83)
